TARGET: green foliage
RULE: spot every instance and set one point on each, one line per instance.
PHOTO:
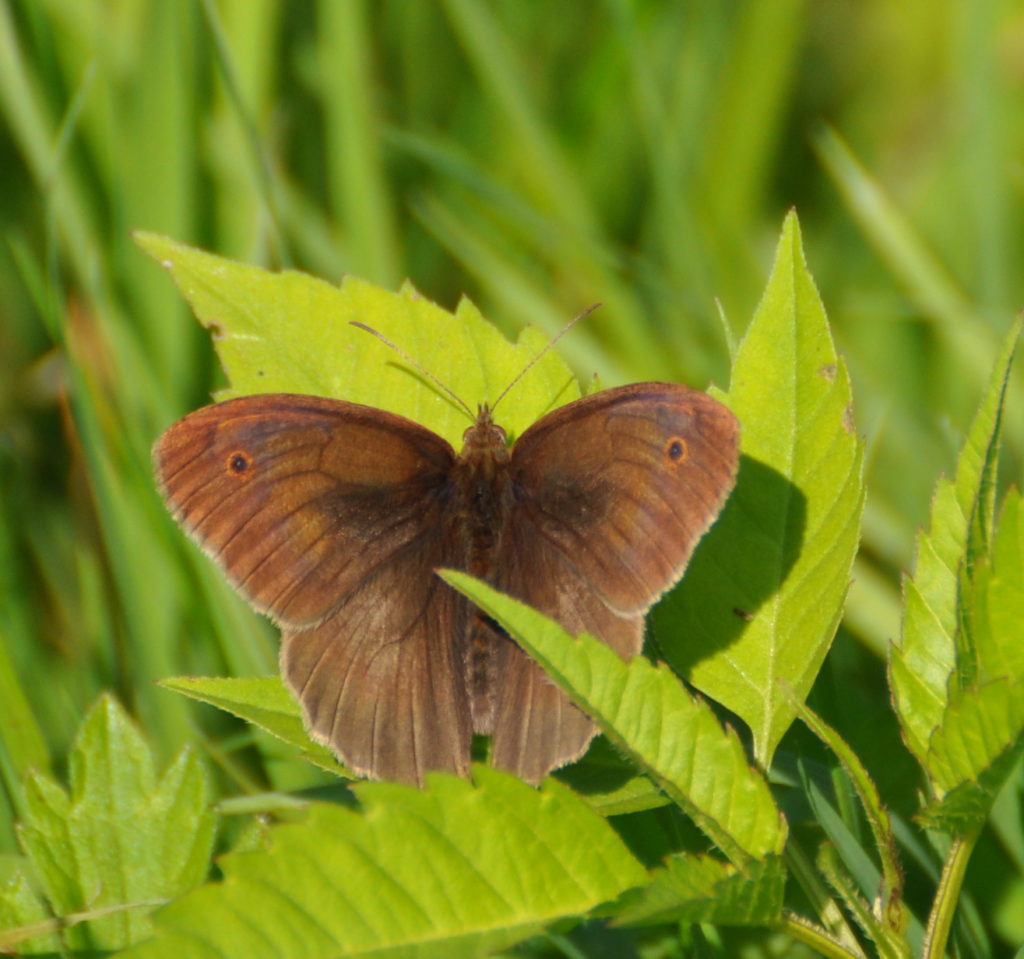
(703, 889)
(289, 332)
(635, 154)
(648, 714)
(121, 836)
(764, 596)
(961, 702)
(264, 702)
(455, 870)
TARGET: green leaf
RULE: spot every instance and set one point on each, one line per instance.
(935, 655)
(646, 711)
(22, 917)
(701, 889)
(609, 782)
(973, 750)
(764, 594)
(981, 732)
(265, 702)
(290, 332)
(121, 836)
(999, 598)
(455, 870)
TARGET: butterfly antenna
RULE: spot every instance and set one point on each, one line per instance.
(547, 346)
(422, 370)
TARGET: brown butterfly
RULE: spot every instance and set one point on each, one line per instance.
(331, 517)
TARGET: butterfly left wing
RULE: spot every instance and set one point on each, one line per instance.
(330, 517)
(612, 494)
(298, 497)
(380, 682)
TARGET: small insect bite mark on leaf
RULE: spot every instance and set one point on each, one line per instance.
(828, 371)
(848, 423)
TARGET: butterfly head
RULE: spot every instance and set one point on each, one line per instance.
(484, 439)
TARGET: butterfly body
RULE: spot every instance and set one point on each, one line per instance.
(332, 517)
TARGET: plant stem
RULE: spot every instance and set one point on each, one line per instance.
(822, 902)
(944, 907)
(817, 938)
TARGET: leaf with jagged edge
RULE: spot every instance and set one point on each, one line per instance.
(973, 751)
(265, 702)
(981, 733)
(935, 656)
(23, 915)
(455, 870)
(763, 596)
(122, 836)
(646, 711)
(289, 332)
(999, 598)
(691, 888)
(609, 782)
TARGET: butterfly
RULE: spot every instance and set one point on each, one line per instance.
(331, 517)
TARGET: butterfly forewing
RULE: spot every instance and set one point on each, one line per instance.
(299, 498)
(624, 483)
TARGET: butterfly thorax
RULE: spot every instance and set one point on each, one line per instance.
(484, 490)
(483, 486)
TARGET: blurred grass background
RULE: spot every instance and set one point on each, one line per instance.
(538, 158)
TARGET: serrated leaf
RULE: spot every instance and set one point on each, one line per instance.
(999, 598)
(977, 742)
(290, 332)
(981, 732)
(701, 889)
(609, 783)
(455, 870)
(646, 712)
(764, 594)
(263, 701)
(21, 914)
(121, 836)
(935, 655)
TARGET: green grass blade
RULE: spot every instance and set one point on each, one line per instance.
(263, 701)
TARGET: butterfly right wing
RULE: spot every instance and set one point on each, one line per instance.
(328, 516)
(613, 493)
